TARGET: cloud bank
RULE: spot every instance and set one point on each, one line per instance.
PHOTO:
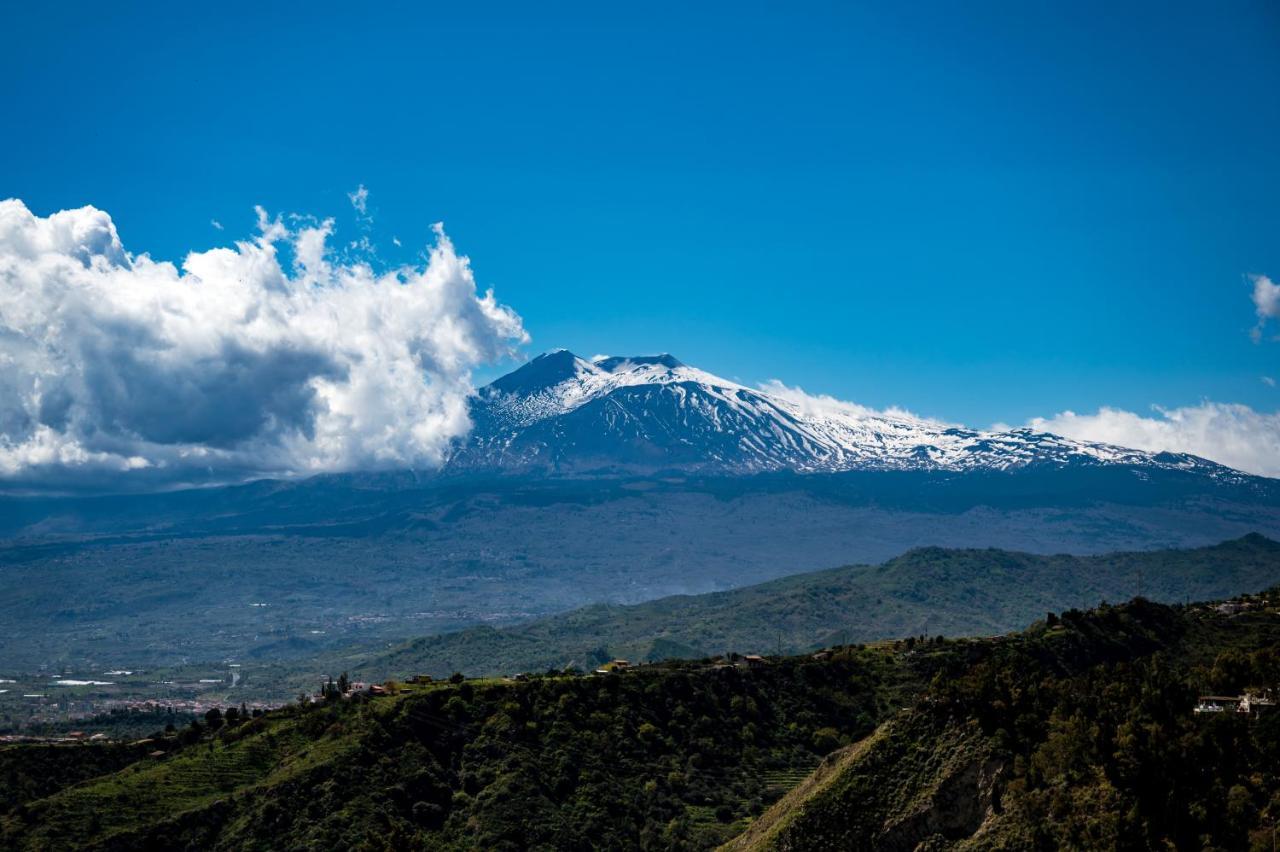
(822, 405)
(266, 358)
(1231, 434)
(1234, 435)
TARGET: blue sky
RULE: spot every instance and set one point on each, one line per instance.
(987, 213)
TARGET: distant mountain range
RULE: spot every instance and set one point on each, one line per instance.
(617, 481)
(562, 414)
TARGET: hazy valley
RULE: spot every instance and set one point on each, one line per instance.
(285, 569)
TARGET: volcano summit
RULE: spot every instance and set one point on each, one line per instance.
(562, 414)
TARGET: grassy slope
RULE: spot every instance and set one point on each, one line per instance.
(777, 819)
(889, 780)
(926, 591)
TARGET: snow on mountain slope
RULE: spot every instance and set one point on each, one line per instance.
(562, 413)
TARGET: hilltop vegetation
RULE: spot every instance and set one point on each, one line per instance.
(1075, 733)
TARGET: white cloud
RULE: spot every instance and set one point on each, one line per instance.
(1234, 435)
(215, 223)
(1268, 381)
(822, 405)
(360, 199)
(362, 248)
(242, 362)
(1266, 302)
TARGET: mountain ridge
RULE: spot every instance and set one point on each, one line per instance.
(927, 590)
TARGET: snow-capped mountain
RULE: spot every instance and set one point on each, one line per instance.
(563, 414)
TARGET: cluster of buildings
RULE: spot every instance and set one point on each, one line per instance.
(341, 689)
(613, 666)
(1243, 603)
(1247, 703)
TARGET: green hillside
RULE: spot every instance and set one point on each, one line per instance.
(927, 591)
(676, 755)
(1076, 733)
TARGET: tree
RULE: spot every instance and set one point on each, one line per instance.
(456, 677)
(826, 740)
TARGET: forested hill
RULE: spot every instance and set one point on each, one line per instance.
(1076, 733)
(1079, 734)
(925, 591)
